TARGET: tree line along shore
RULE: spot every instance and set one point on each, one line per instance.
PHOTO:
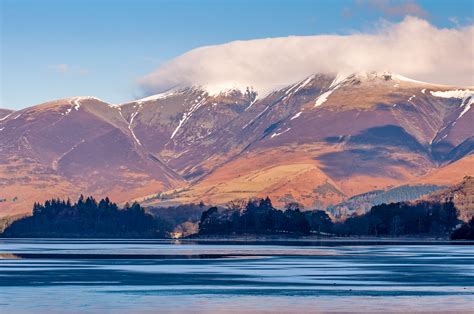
(91, 218)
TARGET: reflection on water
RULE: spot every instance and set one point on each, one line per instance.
(149, 276)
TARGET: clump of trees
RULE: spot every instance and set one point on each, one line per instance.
(319, 222)
(255, 217)
(395, 219)
(464, 232)
(90, 218)
(87, 218)
(398, 219)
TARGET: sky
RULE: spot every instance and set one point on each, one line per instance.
(54, 49)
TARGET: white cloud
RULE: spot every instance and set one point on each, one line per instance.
(61, 68)
(82, 71)
(413, 48)
(64, 69)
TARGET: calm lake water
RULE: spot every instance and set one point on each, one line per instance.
(150, 276)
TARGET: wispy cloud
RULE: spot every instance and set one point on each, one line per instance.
(413, 48)
(61, 68)
(66, 69)
(455, 21)
(82, 71)
(395, 8)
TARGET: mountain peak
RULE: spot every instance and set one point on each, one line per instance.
(230, 88)
(214, 91)
(163, 95)
(378, 75)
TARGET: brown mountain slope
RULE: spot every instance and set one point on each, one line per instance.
(72, 146)
(462, 195)
(373, 131)
(449, 174)
(318, 141)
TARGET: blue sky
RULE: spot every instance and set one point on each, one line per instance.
(52, 49)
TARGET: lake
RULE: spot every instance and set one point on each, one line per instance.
(149, 276)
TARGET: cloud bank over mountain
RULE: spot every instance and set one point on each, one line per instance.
(413, 48)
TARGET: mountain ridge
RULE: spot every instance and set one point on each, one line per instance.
(318, 141)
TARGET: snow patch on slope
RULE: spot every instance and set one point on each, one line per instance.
(295, 88)
(298, 86)
(5, 117)
(466, 96)
(130, 124)
(250, 105)
(322, 98)
(55, 163)
(187, 115)
(17, 116)
(278, 134)
(296, 115)
(258, 116)
(76, 103)
(458, 93)
(467, 106)
(402, 78)
(335, 84)
(163, 95)
(225, 89)
(340, 77)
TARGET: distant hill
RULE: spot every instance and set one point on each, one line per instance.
(362, 203)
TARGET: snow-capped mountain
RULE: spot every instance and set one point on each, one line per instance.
(317, 141)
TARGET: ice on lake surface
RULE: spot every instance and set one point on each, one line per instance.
(149, 276)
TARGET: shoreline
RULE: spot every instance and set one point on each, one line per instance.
(261, 241)
(328, 241)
